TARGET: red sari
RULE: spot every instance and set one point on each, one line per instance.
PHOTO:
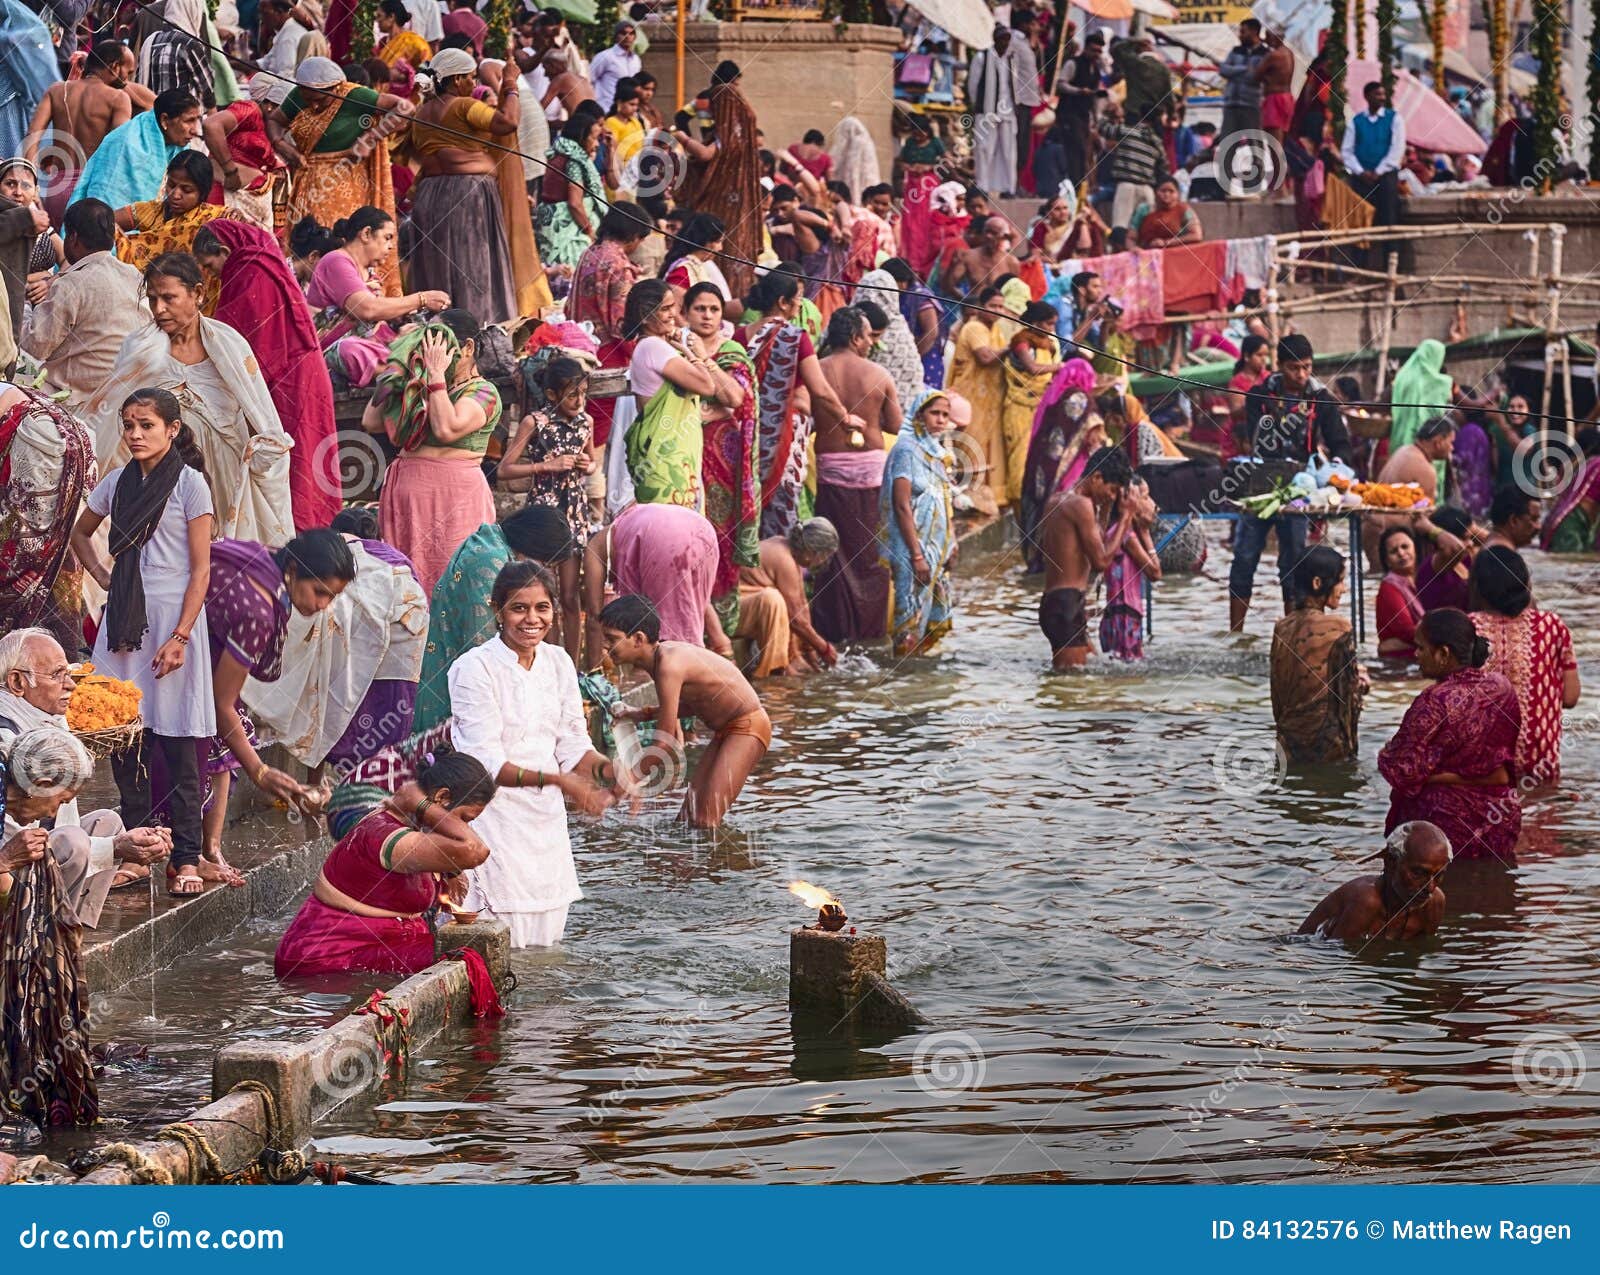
(1466, 724)
(261, 300)
(1534, 652)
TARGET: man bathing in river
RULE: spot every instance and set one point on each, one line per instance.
(1404, 901)
(1073, 546)
(690, 679)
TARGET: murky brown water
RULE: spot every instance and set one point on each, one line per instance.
(1087, 882)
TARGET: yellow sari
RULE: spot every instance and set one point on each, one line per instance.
(408, 45)
(1023, 391)
(983, 387)
(158, 233)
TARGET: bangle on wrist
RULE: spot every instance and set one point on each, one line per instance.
(261, 773)
(435, 386)
(522, 780)
(181, 638)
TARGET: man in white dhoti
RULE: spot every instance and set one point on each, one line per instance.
(991, 97)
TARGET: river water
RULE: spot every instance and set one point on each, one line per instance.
(1088, 882)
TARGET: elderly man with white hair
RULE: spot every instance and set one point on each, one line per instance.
(35, 684)
(1402, 902)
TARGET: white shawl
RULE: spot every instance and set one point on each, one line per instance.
(376, 628)
(247, 458)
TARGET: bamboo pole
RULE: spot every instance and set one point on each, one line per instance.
(1552, 317)
(683, 11)
(1274, 328)
(1388, 324)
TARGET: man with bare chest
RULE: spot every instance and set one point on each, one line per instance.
(78, 114)
(1403, 902)
(851, 601)
(1073, 547)
(991, 261)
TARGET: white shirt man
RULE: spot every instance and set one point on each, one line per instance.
(280, 59)
(612, 64)
(991, 93)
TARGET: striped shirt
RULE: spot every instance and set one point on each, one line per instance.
(178, 61)
(1137, 157)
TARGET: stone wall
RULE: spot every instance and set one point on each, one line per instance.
(797, 75)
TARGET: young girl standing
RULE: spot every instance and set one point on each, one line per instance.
(160, 511)
(552, 446)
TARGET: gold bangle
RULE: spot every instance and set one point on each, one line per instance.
(261, 773)
(522, 779)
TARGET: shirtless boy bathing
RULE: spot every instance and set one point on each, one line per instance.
(690, 679)
(1073, 547)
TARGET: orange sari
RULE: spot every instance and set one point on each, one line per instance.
(334, 184)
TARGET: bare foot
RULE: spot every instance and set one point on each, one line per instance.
(213, 867)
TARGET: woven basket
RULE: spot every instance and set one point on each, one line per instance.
(110, 739)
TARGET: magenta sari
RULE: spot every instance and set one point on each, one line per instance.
(1465, 724)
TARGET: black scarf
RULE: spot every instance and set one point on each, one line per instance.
(136, 510)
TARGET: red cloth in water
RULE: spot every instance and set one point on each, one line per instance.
(485, 1000)
(262, 302)
(1194, 277)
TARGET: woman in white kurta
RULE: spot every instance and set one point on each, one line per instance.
(517, 710)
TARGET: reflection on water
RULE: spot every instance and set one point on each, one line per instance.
(1088, 883)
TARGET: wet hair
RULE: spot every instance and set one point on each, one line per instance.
(815, 538)
(1437, 427)
(1390, 534)
(814, 137)
(196, 167)
(783, 193)
(539, 532)
(1509, 502)
(1500, 581)
(1111, 465)
(900, 271)
(318, 554)
(771, 288)
(1317, 573)
(181, 266)
(844, 326)
(877, 317)
(1453, 631)
(462, 323)
(357, 73)
(94, 222)
(165, 405)
(1458, 522)
(632, 613)
(363, 219)
(524, 574)
(462, 774)
(560, 373)
(307, 236)
(644, 298)
(701, 229)
(173, 103)
(1252, 344)
(356, 520)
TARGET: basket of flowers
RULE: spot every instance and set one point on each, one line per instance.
(104, 712)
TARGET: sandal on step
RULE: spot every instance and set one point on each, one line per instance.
(183, 887)
(129, 874)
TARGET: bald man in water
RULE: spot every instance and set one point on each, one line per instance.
(1402, 902)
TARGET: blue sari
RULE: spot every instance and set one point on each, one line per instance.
(27, 70)
(129, 166)
(921, 611)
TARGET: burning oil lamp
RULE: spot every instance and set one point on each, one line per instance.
(830, 912)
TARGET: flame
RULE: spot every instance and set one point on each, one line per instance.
(813, 896)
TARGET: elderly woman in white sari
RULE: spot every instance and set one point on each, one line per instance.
(225, 401)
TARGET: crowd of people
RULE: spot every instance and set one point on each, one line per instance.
(710, 432)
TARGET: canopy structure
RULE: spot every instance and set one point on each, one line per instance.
(1110, 10)
(585, 11)
(966, 20)
(1431, 123)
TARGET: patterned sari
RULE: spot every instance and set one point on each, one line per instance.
(334, 184)
(47, 466)
(1316, 701)
(784, 432)
(733, 486)
(158, 233)
(921, 611)
(1063, 427)
(664, 446)
(561, 243)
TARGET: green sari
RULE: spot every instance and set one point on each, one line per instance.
(664, 448)
(561, 243)
(459, 618)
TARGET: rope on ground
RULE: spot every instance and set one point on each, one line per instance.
(144, 1170)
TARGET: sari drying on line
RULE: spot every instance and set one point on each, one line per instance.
(1465, 724)
(776, 349)
(1316, 700)
(733, 486)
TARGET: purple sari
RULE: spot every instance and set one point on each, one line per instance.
(1465, 724)
(1473, 462)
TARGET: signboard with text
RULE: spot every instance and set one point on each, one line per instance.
(1209, 11)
